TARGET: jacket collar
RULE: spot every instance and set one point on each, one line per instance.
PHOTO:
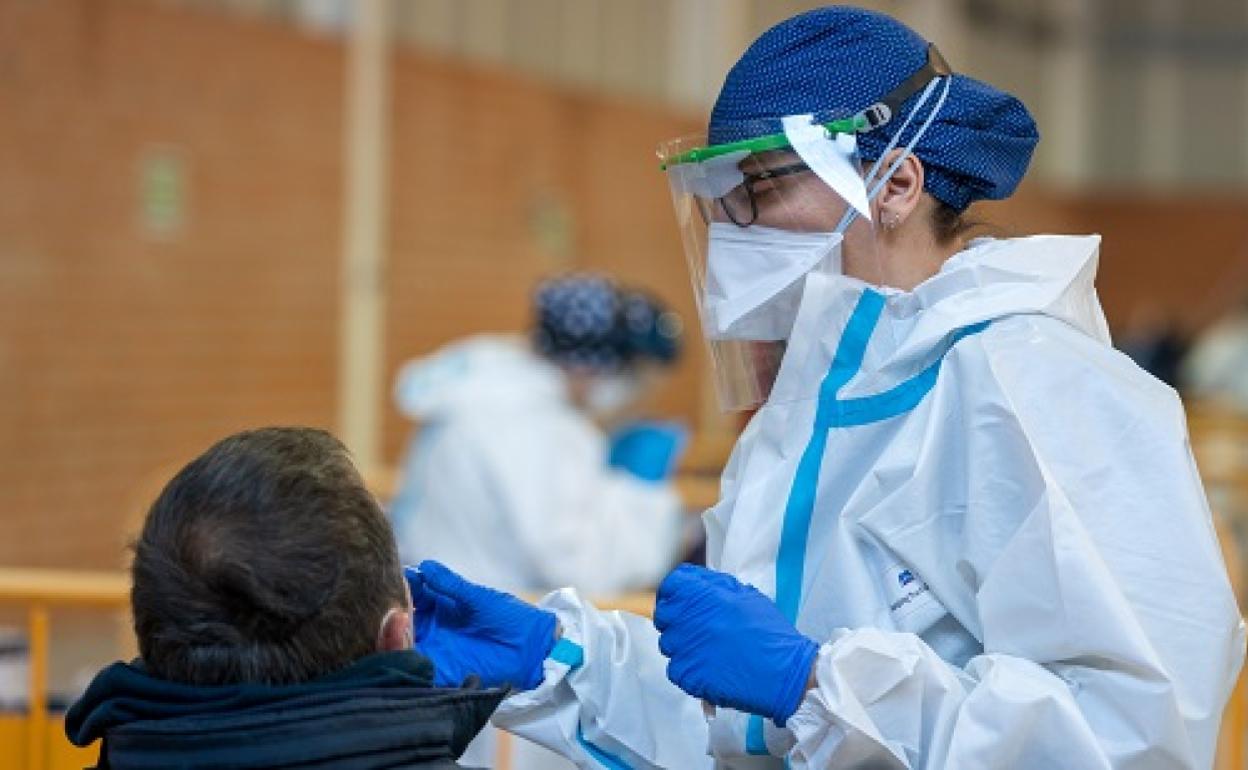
(381, 712)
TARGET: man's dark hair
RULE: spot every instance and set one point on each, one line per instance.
(265, 560)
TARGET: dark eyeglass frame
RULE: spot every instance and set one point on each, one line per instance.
(748, 184)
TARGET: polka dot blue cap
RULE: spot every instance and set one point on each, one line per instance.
(836, 61)
(587, 321)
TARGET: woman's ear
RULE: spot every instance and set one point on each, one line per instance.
(396, 631)
(902, 192)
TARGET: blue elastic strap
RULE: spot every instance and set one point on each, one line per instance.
(567, 652)
(609, 761)
(834, 413)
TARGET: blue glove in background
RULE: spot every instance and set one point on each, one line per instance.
(467, 629)
(729, 645)
(648, 450)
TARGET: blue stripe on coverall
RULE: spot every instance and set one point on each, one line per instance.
(834, 413)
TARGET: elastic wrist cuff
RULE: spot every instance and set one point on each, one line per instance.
(541, 641)
(795, 685)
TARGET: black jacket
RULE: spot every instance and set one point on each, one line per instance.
(381, 712)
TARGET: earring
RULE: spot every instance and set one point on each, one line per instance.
(891, 222)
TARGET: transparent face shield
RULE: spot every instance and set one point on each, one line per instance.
(767, 205)
(756, 218)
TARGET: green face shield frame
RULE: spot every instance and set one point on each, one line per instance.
(873, 117)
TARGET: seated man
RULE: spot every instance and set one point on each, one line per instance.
(274, 626)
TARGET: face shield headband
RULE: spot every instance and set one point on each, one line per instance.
(879, 114)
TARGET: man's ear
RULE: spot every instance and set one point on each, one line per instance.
(396, 631)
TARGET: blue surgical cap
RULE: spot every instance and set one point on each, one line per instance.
(838, 60)
(587, 321)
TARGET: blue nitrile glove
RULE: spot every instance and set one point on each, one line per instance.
(648, 450)
(729, 645)
(467, 629)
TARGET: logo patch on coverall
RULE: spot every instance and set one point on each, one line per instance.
(910, 601)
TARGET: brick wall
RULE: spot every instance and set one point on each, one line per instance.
(498, 180)
(124, 353)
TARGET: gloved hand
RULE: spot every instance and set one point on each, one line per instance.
(648, 450)
(468, 629)
(729, 644)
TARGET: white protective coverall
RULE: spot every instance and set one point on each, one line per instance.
(507, 482)
(991, 521)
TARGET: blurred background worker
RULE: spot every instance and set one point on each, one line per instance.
(510, 476)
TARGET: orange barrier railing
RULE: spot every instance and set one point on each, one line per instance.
(43, 590)
(40, 591)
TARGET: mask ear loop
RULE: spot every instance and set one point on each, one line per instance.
(874, 191)
(869, 179)
(892, 143)
(879, 185)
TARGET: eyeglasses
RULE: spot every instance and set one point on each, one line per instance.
(740, 205)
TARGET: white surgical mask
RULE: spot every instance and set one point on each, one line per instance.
(754, 275)
(754, 278)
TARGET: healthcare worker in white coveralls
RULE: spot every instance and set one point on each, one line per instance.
(962, 531)
(510, 478)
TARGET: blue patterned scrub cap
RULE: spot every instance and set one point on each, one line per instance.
(842, 59)
(588, 321)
